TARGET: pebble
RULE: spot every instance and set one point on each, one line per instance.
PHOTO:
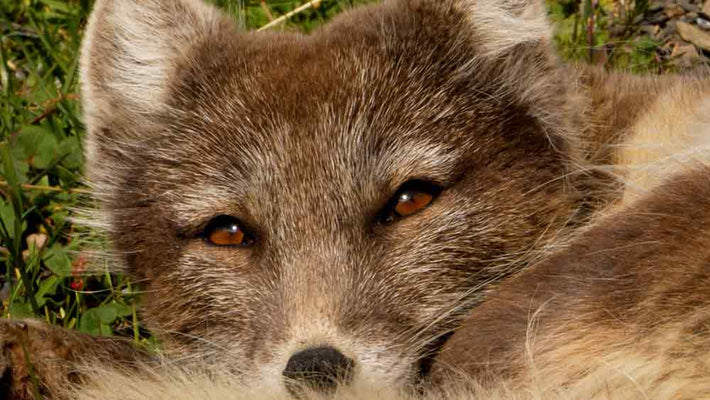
(656, 6)
(652, 30)
(688, 6)
(674, 10)
(684, 50)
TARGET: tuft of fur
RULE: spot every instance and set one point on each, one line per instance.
(603, 385)
(643, 129)
(501, 26)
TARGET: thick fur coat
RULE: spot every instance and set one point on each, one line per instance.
(562, 251)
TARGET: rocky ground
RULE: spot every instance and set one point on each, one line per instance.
(682, 27)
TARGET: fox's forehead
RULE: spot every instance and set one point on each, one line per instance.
(288, 117)
(266, 162)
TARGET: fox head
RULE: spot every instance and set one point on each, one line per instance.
(328, 204)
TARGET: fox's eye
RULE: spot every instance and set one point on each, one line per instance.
(410, 202)
(412, 197)
(227, 231)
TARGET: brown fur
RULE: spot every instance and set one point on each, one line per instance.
(624, 305)
(305, 139)
(38, 358)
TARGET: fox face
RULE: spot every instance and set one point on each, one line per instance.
(325, 208)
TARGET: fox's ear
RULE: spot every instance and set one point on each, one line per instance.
(129, 54)
(501, 25)
(496, 26)
(506, 46)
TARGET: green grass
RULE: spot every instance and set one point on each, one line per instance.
(583, 33)
(43, 256)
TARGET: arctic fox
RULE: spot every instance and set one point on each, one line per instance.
(319, 214)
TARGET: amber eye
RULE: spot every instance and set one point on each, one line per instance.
(412, 197)
(410, 202)
(227, 231)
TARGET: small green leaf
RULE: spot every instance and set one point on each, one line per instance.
(47, 287)
(26, 142)
(59, 217)
(58, 6)
(90, 322)
(105, 330)
(122, 310)
(21, 310)
(46, 152)
(7, 215)
(36, 146)
(70, 153)
(20, 166)
(107, 314)
(97, 321)
(57, 260)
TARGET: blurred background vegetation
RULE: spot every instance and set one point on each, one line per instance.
(44, 257)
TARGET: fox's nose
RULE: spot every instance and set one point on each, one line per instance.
(317, 368)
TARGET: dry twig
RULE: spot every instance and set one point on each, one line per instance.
(285, 17)
(47, 188)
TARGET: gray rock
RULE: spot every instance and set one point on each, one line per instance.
(668, 31)
(685, 55)
(656, 6)
(652, 30)
(673, 10)
(658, 18)
(689, 18)
(688, 6)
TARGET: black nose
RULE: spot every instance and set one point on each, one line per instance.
(318, 368)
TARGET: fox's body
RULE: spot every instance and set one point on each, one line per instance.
(307, 145)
